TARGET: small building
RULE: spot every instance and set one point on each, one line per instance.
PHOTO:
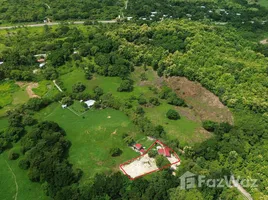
(138, 146)
(90, 103)
(1, 63)
(164, 151)
(41, 60)
(64, 106)
(129, 18)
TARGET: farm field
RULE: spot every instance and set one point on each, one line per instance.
(92, 135)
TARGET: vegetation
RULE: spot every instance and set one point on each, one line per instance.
(173, 114)
(74, 153)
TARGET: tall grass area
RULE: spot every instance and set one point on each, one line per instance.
(263, 3)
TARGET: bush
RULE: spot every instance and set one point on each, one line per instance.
(125, 86)
(78, 87)
(24, 164)
(142, 101)
(154, 101)
(67, 101)
(161, 161)
(115, 152)
(209, 125)
(13, 155)
(173, 114)
(139, 111)
(152, 153)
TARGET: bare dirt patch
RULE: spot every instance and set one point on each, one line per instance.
(264, 41)
(29, 86)
(204, 103)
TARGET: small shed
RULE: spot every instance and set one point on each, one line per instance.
(138, 146)
(90, 103)
(64, 106)
(1, 63)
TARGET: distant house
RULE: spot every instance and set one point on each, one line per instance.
(1, 63)
(138, 146)
(154, 13)
(41, 60)
(64, 106)
(90, 103)
(129, 18)
(164, 151)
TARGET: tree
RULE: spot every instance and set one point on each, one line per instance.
(24, 164)
(78, 87)
(142, 101)
(67, 101)
(210, 125)
(152, 153)
(139, 110)
(154, 101)
(173, 114)
(115, 152)
(161, 161)
(125, 86)
(13, 156)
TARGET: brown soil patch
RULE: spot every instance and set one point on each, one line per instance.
(264, 41)
(29, 86)
(204, 103)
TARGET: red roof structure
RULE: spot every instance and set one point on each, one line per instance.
(41, 60)
(138, 146)
(165, 152)
(142, 150)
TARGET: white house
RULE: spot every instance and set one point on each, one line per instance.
(1, 63)
(90, 103)
(64, 106)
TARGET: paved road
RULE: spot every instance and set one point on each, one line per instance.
(53, 24)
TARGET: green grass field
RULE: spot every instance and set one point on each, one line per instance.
(10, 175)
(263, 3)
(92, 135)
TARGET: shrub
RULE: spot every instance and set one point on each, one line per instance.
(161, 161)
(142, 101)
(125, 86)
(24, 164)
(115, 152)
(67, 101)
(152, 153)
(154, 101)
(209, 125)
(139, 111)
(13, 155)
(173, 114)
(78, 87)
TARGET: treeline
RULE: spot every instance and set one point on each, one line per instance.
(16, 11)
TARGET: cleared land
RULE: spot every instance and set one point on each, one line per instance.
(205, 104)
(15, 182)
(92, 135)
(263, 3)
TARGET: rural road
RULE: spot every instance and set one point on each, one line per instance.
(242, 190)
(53, 24)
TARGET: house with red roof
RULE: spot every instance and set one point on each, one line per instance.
(139, 147)
(164, 151)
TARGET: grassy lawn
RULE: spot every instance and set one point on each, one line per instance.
(92, 135)
(3, 123)
(78, 107)
(11, 95)
(182, 129)
(26, 188)
(45, 88)
(263, 3)
(7, 88)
